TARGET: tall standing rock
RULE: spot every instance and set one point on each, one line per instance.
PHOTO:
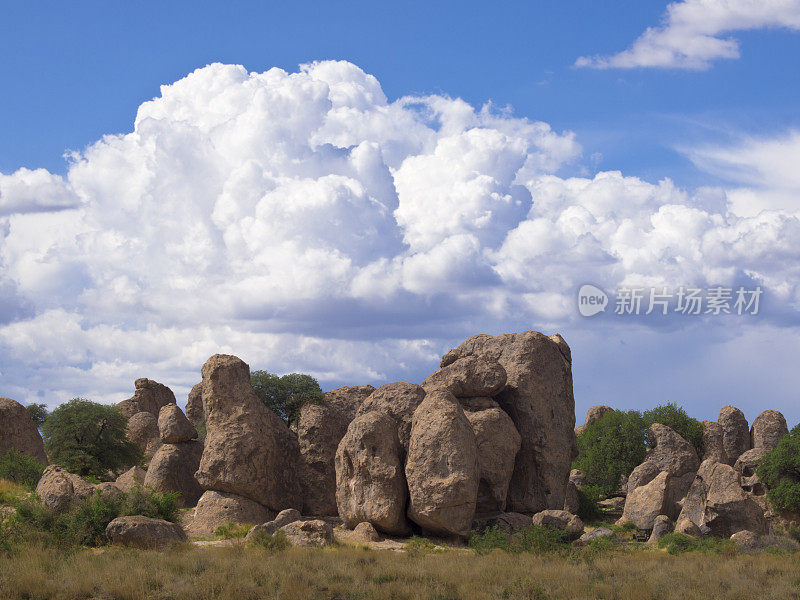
(149, 396)
(768, 429)
(442, 466)
(538, 398)
(249, 451)
(18, 431)
(194, 404)
(735, 433)
(713, 444)
(398, 401)
(370, 483)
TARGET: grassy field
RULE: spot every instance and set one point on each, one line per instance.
(343, 572)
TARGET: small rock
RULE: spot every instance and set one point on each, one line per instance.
(130, 478)
(577, 478)
(218, 508)
(560, 519)
(687, 527)
(746, 540)
(661, 527)
(596, 534)
(290, 515)
(368, 532)
(309, 534)
(144, 532)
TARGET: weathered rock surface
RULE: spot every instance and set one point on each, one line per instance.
(468, 377)
(142, 430)
(144, 532)
(686, 527)
(194, 404)
(662, 525)
(218, 508)
(347, 400)
(670, 453)
(768, 429)
(572, 502)
(370, 483)
(497, 443)
(107, 489)
(746, 466)
(367, 532)
(58, 488)
(713, 444)
(577, 478)
(249, 451)
(174, 427)
(290, 515)
(596, 534)
(747, 540)
(538, 398)
(398, 401)
(172, 469)
(131, 478)
(735, 433)
(149, 396)
(560, 519)
(18, 431)
(593, 415)
(648, 501)
(442, 466)
(309, 534)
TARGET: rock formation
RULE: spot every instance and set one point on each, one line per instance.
(398, 401)
(309, 534)
(735, 433)
(59, 489)
(149, 396)
(560, 519)
(142, 430)
(131, 478)
(593, 415)
(144, 532)
(713, 442)
(194, 404)
(768, 429)
(18, 431)
(217, 508)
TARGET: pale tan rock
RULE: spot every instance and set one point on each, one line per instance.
(399, 401)
(713, 444)
(347, 400)
(577, 478)
(646, 502)
(442, 467)
(248, 451)
(108, 489)
(174, 427)
(370, 484)
(149, 396)
(172, 469)
(131, 478)
(747, 540)
(686, 527)
(768, 429)
(560, 519)
(468, 377)
(367, 532)
(662, 525)
(59, 489)
(142, 430)
(593, 415)
(144, 532)
(309, 534)
(735, 433)
(538, 398)
(290, 515)
(194, 404)
(218, 508)
(18, 431)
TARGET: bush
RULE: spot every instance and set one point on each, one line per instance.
(779, 470)
(149, 503)
(285, 395)
(589, 497)
(230, 531)
(88, 438)
(38, 413)
(534, 539)
(675, 417)
(611, 448)
(273, 542)
(678, 543)
(20, 468)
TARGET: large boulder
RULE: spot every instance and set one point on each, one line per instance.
(370, 483)
(399, 401)
(131, 478)
(194, 404)
(593, 415)
(538, 398)
(498, 443)
(18, 431)
(218, 508)
(172, 469)
(309, 534)
(249, 451)
(768, 429)
(735, 433)
(348, 399)
(142, 430)
(174, 427)
(58, 488)
(713, 444)
(468, 377)
(662, 525)
(442, 466)
(560, 519)
(746, 466)
(144, 532)
(149, 396)
(648, 501)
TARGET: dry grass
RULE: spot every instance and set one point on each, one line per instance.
(10, 491)
(345, 573)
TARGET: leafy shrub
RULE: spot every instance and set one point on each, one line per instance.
(534, 539)
(417, 546)
(779, 470)
(589, 497)
(231, 530)
(38, 413)
(678, 543)
(285, 395)
(20, 468)
(149, 503)
(10, 535)
(10, 491)
(610, 448)
(491, 539)
(273, 542)
(88, 438)
(675, 418)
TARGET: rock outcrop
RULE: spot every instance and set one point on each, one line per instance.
(131, 478)
(194, 404)
(347, 400)
(149, 396)
(468, 377)
(442, 466)
(18, 431)
(593, 415)
(58, 488)
(768, 429)
(370, 481)
(662, 525)
(290, 515)
(648, 501)
(713, 444)
(144, 532)
(248, 451)
(538, 398)
(142, 430)
(309, 534)
(398, 401)
(735, 433)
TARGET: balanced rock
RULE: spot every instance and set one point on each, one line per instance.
(144, 532)
(768, 429)
(560, 519)
(398, 401)
(593, 415)
(218, 508)
(58, 488)
(18, 431)
(370, 484)
(713, 444)
(142, 430)
(735, 433)
(347, 400)
(131, 478)
(172, 469)
(149, 396)
(498, 443)
(468, 377)
(309, 534)
(194, 404)
(249, 451)
(442, 466)
(173, 426)
(538, 398)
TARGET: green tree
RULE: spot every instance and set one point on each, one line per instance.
(779, 470)
(674, 417)
(611, 448)
(88, 438)
(38, 413)
(285, 395)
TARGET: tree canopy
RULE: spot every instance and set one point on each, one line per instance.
(286, 394)
(779, 470)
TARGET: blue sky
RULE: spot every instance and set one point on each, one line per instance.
(90, 295)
